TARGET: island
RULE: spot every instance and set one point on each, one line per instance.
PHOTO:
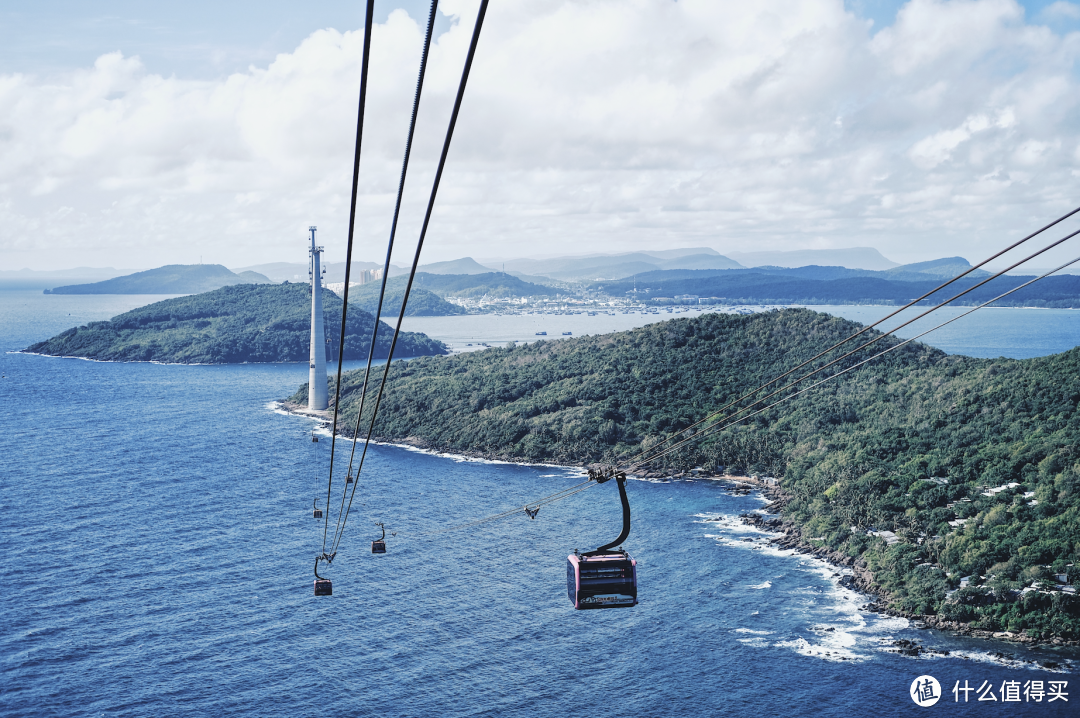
(234, 324)
(948, 486)
(170, 279)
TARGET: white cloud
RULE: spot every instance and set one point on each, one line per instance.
(1061, 10)
(599, 126)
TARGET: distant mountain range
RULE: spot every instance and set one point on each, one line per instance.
(852, 258)
(700, 271)
(170, 279)
(839, 285)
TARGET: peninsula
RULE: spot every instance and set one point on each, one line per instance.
(234, 324)
(951, 483)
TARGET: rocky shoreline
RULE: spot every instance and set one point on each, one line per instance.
(862, 580)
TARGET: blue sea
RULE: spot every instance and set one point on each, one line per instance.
(157, 551)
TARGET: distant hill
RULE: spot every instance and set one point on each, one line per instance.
(617, 266)
(474, 286)
(170, 279)
(230, 325)
(945, 268)
(422, 303)
(852, 258)
(465, 265)
(836, 285)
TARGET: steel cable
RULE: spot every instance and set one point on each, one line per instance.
(876, 339)
(364, 63)
(865, 329)
(713, 430)
(517, 510)
(419, 247)
(386, 265)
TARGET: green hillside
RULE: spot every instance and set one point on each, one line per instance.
(170, 279)
(242, 323)
(422, 303)
(854, 455)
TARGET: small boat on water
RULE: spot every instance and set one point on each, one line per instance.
(541, 334)
(567, 334)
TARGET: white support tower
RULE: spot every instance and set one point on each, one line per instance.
(317, 394)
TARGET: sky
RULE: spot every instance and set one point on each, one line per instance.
(138, 134)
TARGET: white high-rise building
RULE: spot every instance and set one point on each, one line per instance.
(317, 394)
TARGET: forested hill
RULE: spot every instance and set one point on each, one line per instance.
(170, 279)
(422, 303)
(243, 323)
(859, 452)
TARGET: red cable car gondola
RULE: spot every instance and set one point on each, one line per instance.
(604, 578)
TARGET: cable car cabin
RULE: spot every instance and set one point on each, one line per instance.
(608, 580)
(378, 547)
(323, 587)
(317, 513)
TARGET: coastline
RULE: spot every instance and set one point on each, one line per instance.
(787, 535)
(862, 579)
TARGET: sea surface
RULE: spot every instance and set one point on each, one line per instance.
(157, 547)
(1016, 333)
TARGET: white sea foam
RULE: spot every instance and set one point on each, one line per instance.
(751, 630)
(848, 634)
(115, 361)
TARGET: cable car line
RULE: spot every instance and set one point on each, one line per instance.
(698, 435)
(516, 511)
(590, 573)
(639, 461)
(712, 429)
(865, 329)
(419, 247)
(386, 265)
(365, 62)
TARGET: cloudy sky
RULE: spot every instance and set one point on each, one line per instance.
(136, 134)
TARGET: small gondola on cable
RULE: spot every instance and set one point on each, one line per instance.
(323, 586)
(606, 577)
(379, 544)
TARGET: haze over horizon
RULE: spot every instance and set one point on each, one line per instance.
(141, 136)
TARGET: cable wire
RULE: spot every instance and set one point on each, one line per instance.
(419, 247)
(389, 253)
(713, 430)
(865, 329)
(364, 64)
(516, 511)
(875, 340)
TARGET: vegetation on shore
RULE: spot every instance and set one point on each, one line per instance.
(911, 444)
(242, 323)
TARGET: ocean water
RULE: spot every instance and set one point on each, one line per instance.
(1017, 333)
(157, 550)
